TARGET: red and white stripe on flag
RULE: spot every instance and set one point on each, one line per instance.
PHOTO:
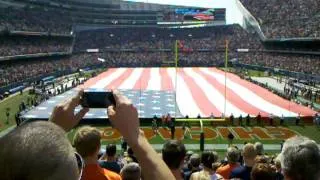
(201, 91)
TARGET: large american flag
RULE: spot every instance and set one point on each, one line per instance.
(193, 92)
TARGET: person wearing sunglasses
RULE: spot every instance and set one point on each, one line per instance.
(40, 150)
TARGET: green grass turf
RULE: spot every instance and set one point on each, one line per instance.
(13, 103)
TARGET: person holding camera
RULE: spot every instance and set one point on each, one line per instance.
(19, 145)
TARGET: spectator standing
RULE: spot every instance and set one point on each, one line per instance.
(243, 172)
(155, 126)
(173, 153)
(271, 119)
(298, 119)
(124, 145)
(208, 159)
(87, 143)
(259, 119)
(317, 119)
(232, 119)
(193, 166)
(230, 138)
(248, 120)
(109, 159)
(278, 174)
(240, 120)
(131, 155)
(281, 120)
(131, 171)
(258, 146)
(262, 171)
(233, 156)
(172, 128)
(300, 159)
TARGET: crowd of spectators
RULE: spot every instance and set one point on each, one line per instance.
(134, 59)
(203, 59)
(299, 158)
(292, 62)
(21, 45)
(158, 59)
(211, 38)
(24, 69)
(35, 20)
(302, 27)
(296, 18)
(18, 71)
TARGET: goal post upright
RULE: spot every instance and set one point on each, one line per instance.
(225, 76)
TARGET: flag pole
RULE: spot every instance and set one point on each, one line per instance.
(225, 77)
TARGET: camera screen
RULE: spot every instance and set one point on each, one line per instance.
(97, 99)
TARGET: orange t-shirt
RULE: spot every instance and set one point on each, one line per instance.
(95, 172)
(226, 170)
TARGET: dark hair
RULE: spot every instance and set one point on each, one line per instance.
(195, 160)
(111, 150)
(208, 158)
(130, 151)
(173, 153)
(262, 171)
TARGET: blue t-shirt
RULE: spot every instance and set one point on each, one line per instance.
(112, 166)
(242, 172)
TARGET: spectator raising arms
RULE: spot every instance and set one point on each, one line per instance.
(109, 159)
(146, 155)
(40, 150)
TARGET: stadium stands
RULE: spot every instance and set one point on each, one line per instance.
(201, 38)
(22, 45)
(35, 20)
(23, 70)
(49, 27)
(291, 62)
(126, 47)
(286, 19)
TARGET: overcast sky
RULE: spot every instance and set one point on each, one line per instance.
(233, 14)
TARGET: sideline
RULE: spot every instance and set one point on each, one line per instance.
(6, 131)
(15, 94)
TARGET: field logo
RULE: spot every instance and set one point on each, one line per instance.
(249, 133)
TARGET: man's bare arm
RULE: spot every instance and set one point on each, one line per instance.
(124, 117)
